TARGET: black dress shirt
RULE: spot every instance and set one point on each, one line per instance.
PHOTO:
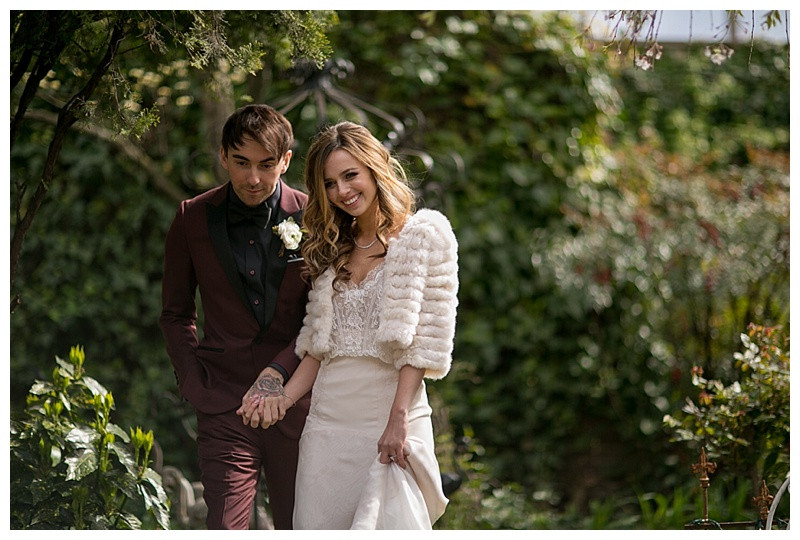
(250, 234)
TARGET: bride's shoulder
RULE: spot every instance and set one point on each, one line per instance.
(428, 227)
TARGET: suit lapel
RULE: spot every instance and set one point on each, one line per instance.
(218, 231)
(278, 258)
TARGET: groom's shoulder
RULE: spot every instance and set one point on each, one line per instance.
(293, 197)
(214, 195)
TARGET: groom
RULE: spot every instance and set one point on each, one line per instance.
(226, 243)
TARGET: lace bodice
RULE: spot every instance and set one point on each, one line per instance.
(356, 316)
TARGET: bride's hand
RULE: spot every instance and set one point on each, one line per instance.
(273, 408)
(391, 445)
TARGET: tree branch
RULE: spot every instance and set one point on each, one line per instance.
(66, 118)
(122, 144)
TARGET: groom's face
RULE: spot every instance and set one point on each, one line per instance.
(253, 170)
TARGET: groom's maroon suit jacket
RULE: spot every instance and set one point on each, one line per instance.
(215, 372)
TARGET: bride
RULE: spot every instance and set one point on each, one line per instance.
(380, 318)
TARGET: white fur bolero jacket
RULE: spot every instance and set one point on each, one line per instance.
(418, 309)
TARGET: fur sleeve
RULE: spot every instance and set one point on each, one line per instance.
(314, 336)
(421, 296)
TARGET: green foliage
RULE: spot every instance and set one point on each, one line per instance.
(660, 511)
(484, 503)
(204, 38)
(71, 467)
(672, 111)
(305, 32)
(674, 509)
(743, 422)
(663, 257)
(481, 502)
(671, 509)
(91, 272)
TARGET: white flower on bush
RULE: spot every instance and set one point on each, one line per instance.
(290, 233)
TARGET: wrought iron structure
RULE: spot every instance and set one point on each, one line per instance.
(318, 87)
(318, 97)
(771, 518)
(704, 467)
(766, 503)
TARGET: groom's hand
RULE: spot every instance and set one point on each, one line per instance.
(264, 403)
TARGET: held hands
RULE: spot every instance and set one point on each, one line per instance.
(391, 445)
(265, 403)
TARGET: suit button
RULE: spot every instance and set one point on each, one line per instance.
(256, 301)
(252, 272)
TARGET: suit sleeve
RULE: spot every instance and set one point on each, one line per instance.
(179, 311)
(286, 361)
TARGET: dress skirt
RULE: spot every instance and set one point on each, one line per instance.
(350, 406)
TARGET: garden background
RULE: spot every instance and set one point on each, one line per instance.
(623, 233)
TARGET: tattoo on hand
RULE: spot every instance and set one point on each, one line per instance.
(265, 386)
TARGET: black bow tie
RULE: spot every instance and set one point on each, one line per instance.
(259, 215)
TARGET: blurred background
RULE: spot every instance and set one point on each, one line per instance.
(621, 203)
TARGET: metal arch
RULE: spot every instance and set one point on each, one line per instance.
(774, 507)
(317, 85)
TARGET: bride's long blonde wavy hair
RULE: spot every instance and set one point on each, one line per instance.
(331, 229)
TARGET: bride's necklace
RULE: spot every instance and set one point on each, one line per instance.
(359, 246)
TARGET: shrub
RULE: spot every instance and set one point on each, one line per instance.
(746, 421)
(71, 468)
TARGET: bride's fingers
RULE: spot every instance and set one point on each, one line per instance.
(400, 458)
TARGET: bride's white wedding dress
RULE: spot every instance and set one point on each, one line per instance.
(340, 483)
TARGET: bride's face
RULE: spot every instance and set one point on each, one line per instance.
(349, 184)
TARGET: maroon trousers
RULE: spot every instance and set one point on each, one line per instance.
(231, 458)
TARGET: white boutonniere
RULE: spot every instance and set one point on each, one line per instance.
(290, 233)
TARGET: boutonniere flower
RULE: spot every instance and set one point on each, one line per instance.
(290, 233)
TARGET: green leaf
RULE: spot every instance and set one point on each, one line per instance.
(82, 464)
(130, 521)
(125, 458)
(155, 498)
(100, 522)
(152, 478)
(94, 387)
(55, 455)
(128, 483)
(119, 432)
(82, 437)
(65, 368)
(65, 401)
(41, 387)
